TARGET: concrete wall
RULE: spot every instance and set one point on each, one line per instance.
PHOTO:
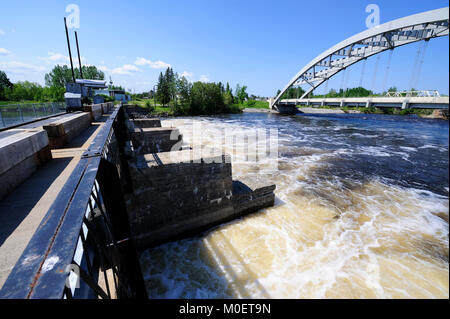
(21, 154)
(156, 140)
(94, 110)
(64, 130)
(146, 123)
(178, 193)
(172, 197)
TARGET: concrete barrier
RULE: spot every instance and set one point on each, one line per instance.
(172, 197)
(134, 111)
(106, 107)
(95, 110)
(250, 196)
(156, 139)
(146, 123)
(182, 193)
(21, 154)
(64, 130)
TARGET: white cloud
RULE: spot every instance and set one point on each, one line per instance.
(204, 78)
(153, 65)
(103, 68)
(20, 67)
(187, 74)
(2, 32)
(53, 57)
(61, 58)
(4, 51)
(126, 69)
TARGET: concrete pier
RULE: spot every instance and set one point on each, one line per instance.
(179, 194)
(176, 193)
(146, 123)
(94, 110)
(156, 139)
(22, 152)
(64, 130)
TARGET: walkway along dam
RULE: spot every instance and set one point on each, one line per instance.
(82, 193)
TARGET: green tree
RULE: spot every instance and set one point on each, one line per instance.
(241, 94)
(5, 85)
(228, 98)
(206, 98)
(184, 88)
(60, 75)
(392, 89)
(163, 91)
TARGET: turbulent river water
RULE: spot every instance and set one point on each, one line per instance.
(361, 211)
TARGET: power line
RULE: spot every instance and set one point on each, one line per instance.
(414, 70)
(387, 69)
(419, 67)
(343, 78)
(374, 79)
(347, 75)
(362, 73)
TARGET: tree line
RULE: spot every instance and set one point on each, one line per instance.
(54, 89)
(197, 98)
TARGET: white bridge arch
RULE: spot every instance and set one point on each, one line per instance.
(392, 34)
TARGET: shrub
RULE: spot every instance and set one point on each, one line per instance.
(149, 107)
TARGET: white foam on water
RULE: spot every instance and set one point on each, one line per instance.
(325, 238)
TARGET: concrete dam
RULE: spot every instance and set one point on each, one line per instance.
(83, 193)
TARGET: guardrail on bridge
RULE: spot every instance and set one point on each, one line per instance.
(13, 114)
(85, 236)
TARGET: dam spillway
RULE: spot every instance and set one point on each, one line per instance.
(97, 180)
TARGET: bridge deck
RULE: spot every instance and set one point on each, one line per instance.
(22, 210)
(395, 102)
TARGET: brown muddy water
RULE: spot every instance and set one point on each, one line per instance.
(361, 212)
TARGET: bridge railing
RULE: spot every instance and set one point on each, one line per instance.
(421, 93)
(83, 246)
(13, 114)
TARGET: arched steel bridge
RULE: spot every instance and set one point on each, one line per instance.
(387, 36)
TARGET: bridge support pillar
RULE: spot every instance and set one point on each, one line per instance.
(342, 103)
(368, 103)
(405, 104)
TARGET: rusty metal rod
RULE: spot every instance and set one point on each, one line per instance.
(70, 52)
(79, 58)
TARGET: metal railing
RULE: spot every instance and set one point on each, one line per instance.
(13, 114)
(83, 247)
(421, 93)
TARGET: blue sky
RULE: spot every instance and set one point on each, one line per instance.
(261, 44)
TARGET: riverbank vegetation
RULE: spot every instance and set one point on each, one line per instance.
(175, 95)
(53, 91)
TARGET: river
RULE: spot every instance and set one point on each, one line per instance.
(361, 211)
